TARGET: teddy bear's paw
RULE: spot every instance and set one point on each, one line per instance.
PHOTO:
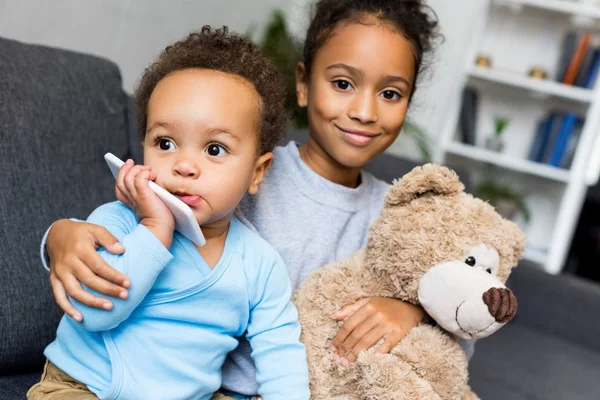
(386, 377)
(437, 358)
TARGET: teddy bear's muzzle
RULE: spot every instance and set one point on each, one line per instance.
(501, 303)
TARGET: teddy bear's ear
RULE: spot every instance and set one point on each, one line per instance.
(424, 179)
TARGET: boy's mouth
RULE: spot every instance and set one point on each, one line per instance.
(189, 199)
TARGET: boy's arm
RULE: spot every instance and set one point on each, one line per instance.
(144, 259)
(274, 335)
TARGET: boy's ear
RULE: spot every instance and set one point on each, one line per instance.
(301, 85)
(260, 169)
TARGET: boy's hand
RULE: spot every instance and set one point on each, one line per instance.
(74, 260)
(132, 189)
(370, 320)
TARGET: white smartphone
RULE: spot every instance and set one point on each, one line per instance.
(185, 221)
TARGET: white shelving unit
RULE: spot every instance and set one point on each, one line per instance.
(518, 35)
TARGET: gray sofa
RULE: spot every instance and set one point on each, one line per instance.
(61, 111)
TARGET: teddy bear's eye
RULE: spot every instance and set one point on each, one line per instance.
(489, 271)
(470, 261)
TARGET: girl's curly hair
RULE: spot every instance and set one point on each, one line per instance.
(227, 52)
(412, 18)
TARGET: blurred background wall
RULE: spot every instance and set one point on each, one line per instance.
(133, 32)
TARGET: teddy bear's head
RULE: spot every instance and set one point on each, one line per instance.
(439, 247)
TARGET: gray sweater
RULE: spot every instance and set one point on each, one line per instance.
(311, 222)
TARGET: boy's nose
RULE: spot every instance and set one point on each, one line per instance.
(364, 108)
(187, 168)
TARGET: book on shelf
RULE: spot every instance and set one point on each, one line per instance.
(555, 140)
(578, 62)
(468, 115)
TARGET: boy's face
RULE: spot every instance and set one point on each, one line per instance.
(201, 140)
(359, 90)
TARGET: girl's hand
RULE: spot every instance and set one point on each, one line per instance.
(74, 260)
(370, 320)
(132, 189)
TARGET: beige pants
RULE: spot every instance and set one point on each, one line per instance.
(56, 385)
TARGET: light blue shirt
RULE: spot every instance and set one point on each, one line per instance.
(169, 339)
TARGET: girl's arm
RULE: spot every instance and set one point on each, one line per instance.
(69, 248)
(274, 335)
(369, 321)
(144, 260)
(372, 319)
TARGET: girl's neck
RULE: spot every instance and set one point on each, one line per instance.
(215, 234)
(326, 166)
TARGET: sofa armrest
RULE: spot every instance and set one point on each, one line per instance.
(559, 305)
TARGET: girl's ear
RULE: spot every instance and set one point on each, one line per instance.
(261, 166)
(301, 85)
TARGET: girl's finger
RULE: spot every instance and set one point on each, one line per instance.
(357, 336)
(390, 342)
(348, 310)
(367, 341)
(74, 289)
(60, 296)
(349, 325)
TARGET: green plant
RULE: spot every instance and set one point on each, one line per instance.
(421, 139)
(500, 124)
(285, 51)
(495, 192)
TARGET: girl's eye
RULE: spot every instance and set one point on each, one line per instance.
(342, 84)
(216, 150)
(391, 95)
(165, 144)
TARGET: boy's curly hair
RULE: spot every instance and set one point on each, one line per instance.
(227, 52)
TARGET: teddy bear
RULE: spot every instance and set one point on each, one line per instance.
(432, 245)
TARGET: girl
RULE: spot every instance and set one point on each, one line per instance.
(361, 63)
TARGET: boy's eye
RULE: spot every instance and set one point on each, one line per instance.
(390, 95)
(342, 84)
(165, 144)
(215, 150)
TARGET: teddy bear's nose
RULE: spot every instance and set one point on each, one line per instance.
(501, 303)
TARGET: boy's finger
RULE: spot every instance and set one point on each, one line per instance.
(141, 183)
(60, 296)
(129, 181)
(123, 171)
(122, 196)
(74, 289)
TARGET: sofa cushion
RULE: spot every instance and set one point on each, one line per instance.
(14, 387)
(59, 113)
(520, 363)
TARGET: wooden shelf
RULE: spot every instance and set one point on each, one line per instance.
(538, 86)
(515, 164)
(560, 6)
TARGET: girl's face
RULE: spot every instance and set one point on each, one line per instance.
(358, 92)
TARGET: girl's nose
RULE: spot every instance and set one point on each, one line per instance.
(364, 108)
(186, 168)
